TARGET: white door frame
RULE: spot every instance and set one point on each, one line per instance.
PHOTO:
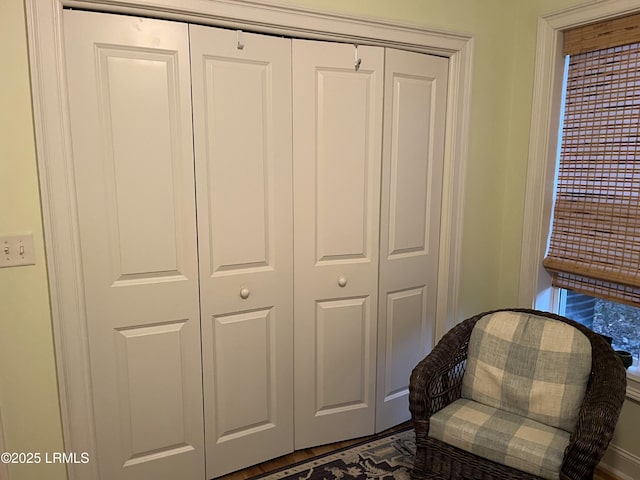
(53, 146)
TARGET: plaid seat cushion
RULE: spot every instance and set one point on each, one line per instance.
(532, 366)
(503, 437)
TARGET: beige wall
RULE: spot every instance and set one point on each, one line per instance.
(504, 35)
(28, 389)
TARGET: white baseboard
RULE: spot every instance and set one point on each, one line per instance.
(620, 463)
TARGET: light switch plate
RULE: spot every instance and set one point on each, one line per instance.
(16, 249)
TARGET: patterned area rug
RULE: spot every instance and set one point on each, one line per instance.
(389, 457)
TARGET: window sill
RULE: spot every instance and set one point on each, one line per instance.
(633, 382)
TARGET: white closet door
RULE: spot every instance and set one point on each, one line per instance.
(242, 123)
(130, 105)
(415, 104)
(337, 155)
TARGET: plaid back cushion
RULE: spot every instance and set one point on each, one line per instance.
(529, 365)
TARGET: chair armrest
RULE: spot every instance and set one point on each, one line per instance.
(437, 380)
(598, 415)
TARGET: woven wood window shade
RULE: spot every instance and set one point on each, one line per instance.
(601, 35)
(595, 238)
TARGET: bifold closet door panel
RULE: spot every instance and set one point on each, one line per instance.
(242, 126)
(413, 155)
(130, 112)
(337, 154)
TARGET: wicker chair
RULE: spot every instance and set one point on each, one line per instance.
(437, 382)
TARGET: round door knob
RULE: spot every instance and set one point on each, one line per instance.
(342, 281)
(244, 293)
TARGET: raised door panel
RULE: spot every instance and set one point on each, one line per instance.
(342, 331)
(415, 109)
(341, 219)
(242, 127)
(238, 152)
(242, 346)
(130, 100)
(145, 397)
(337, 152)
(406, 315)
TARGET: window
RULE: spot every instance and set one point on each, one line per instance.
(615, 320)
(594, 250)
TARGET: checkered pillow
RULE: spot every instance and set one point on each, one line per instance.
(532, 366)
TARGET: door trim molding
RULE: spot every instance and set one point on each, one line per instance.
(56, 175)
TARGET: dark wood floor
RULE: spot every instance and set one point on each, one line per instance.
(305, 454)
(600, 475)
